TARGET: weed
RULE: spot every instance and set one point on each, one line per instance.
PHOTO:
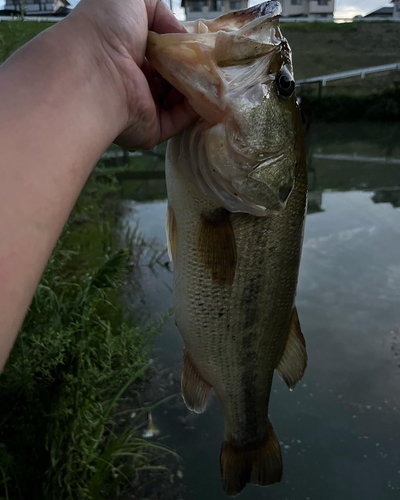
(60, 436)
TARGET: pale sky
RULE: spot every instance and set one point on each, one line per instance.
(343, 8)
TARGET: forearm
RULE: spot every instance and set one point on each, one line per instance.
(54, 126)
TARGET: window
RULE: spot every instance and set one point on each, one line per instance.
(216, 5)
(235, 4)
(198, 6)
(322, 2)
(296, 2)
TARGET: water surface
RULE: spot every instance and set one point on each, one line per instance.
(339, 429)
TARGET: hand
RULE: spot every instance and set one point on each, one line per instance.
(155, 111)
(65, 96)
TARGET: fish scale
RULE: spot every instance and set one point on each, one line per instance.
(219, 344)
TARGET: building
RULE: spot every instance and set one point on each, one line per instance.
(37, 7)
(382, 12)
(388, 12)
(312, 9)
(396, 9)
(209, 9)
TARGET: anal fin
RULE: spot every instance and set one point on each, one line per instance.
(195, 390)
(258, 463)
(293, 362)
(172, 234)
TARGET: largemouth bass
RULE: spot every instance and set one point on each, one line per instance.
(237, 188)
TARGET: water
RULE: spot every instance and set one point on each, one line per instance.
(339, 429)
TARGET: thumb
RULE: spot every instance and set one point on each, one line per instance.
(161, 19)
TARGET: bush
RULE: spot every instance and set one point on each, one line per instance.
(384, 106)
(59, 432)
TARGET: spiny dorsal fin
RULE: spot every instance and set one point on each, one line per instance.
(293, 362)
(172, 234)
(217, 246)
(195, 390)
(258, 463)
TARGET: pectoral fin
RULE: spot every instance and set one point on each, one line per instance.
(293, 362)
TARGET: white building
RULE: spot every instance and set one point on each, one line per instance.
(314, 9)
(36, 6)
(396, 9)
(387, 12)
(209, 9)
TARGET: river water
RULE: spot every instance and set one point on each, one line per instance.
(340, 428)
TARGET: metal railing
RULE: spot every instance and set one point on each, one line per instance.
(350, 74)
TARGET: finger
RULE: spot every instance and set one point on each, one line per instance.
(173, 98)
(161, 19)
(176, 119)
(148, 70)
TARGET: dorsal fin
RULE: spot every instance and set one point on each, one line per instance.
(293, 362)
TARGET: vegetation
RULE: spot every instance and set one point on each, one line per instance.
(14, 34)
(318, 27)
(324, 48)
(74, 360)
(383, 106)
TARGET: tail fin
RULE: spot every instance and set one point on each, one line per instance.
(259, 463)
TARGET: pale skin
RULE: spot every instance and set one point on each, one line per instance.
(65, 97)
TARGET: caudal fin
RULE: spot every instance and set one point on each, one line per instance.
(259, 463)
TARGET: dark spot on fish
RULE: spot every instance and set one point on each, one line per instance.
(251, 292)
(217, 246)
(220, 314)
(248, 353)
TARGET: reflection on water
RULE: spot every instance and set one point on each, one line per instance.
(387, 195)
(339, 429)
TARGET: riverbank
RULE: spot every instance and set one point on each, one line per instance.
(324, 48)
(74, 366)
(318, 48)
(381, 106)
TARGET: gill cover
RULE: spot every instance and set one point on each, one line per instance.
(240, 151)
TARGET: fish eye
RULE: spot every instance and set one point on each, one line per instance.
(285, 84)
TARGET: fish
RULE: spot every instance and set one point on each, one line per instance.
(237, 195)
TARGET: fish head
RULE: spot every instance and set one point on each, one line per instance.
(237, 73)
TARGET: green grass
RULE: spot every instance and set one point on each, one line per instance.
(14, 34)
(318, 27)
(75, 358)
(324, 48)
(383, 106)
(318, 47)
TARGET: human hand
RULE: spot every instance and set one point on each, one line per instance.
(116, 33)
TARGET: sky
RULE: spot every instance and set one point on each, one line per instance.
(343, 8)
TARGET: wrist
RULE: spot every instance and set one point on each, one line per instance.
(91, 71)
